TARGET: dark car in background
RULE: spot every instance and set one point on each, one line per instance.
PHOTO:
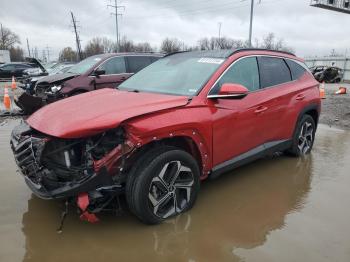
(95, 72)
(327, 74)
(20, 70)
(28, 84)
(14, 69)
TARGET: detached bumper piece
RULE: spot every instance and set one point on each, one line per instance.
(28, 103)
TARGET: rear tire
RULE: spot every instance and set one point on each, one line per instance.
(304, 136)
(164, 184)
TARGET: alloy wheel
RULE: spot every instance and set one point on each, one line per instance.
(306, 137)
(170, 191)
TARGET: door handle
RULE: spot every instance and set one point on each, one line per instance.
(300, 97)
(260, 109)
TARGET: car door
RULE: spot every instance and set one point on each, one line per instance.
(285, 87)
(237, 123)
(18, 72)
(7, 71)
(115, 73)
(277, 90)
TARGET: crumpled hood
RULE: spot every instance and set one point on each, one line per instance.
(94, 112)
(56, 78)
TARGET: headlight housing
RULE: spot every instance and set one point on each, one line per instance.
(55, 89)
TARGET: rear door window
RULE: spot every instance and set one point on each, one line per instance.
(136, 63)
(113, 66)
(19, 66)
(8, 67)
(273, 71)
(296, 69)
(244, 72)
(154, 58)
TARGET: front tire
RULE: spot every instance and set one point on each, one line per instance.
(304, 136)
(164, 185)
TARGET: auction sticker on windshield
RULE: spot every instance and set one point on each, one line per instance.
(211, 61)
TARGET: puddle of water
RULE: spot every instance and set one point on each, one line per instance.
(276, 209)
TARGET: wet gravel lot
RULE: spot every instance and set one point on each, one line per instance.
(276, 209)
(336, 108)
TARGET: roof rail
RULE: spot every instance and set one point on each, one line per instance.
(260, 49)
(176, 52)
(229, 52)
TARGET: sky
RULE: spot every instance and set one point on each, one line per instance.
(308, 30)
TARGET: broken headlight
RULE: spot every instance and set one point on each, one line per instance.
(55, 89)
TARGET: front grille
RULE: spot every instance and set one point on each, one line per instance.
(27, 152)
(41, 88)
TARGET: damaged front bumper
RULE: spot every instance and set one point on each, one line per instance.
(50, 179)
(101, 180)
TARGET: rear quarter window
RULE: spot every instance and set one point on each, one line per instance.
(136, 63)
(296, 69)
(273, 71)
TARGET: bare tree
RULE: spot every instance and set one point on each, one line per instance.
(204, 44)
(126, 45)
(220, 43)
(270, 42)
(67, 54)
(8, 38)
(16, 54)
(99, 45)
(143, 47)
(170, 45)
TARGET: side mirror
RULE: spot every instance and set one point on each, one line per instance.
(98, 71)
(231, 91)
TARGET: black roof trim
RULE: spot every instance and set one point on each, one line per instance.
(226, 53)
(261, 49)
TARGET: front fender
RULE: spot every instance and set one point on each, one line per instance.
(191, 123)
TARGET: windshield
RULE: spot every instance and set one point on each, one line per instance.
(179, 74)
(60, 69)
(84, 65)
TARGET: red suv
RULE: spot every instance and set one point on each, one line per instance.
(186, 117)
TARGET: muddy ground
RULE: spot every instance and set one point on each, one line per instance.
(336, 108)
(276, 209)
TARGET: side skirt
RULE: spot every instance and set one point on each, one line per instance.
(250, 156)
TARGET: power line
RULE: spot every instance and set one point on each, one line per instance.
(76, 36)
(222, 7)
(116, 7)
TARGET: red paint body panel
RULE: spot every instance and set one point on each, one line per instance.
(221, 128)
(94, 112)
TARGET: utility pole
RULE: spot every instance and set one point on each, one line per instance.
(48, 53)
(28, 48)
(36, 52)
(74, 21)
(251, 22)
(219, 39)
(44, 56)
(116, 7)
(2, 38)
